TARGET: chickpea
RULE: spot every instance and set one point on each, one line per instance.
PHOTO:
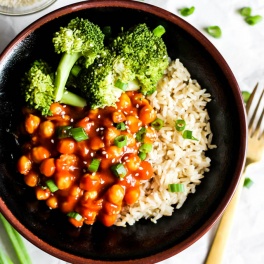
(124, 102)
(139, 99)
(67, 162)
(63, 179)
(147, 114)
(47, 167)
(118, 117)
(90, 182)
(115, 194)
(110, 134)
(46, 129)
(90, 216)
(96, 143)
(132, 195)
(132, 161)
(67, 146)
(131, 141)
(24, 165)
(39, 153)
(93, 113)
(113, 152)
(83, 148)
(31, 179)
(133, 123)
(75, 222)
(108, 220)
(111, 209)
(52, 202)
(32, 123)
(68, 204)
(87, 125)
(58, 109)
(145, 171)
(42, 193)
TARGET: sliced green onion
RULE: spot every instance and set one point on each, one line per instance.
(119, 170)
(180, 125)
(245, 96)
(145, 148)
(142, 155)
(157, 124)
(176, 187)
(94, 165)
(17, 242)
(245, 11)
(52, 186)
(141, 134)
(121, 126)
(120, 141)
(4, 259)
(75, 70)
(119, 84)
(64, 131)
(75, 215)
(186, 11)
(187, 134)
(214, 31)
(248, 183)
(253, 20)
(79, 134)
(159, 31)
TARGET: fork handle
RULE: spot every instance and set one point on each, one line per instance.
(216, 254)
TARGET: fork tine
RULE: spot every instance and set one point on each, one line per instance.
(255, 112)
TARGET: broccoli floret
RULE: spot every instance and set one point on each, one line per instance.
(80, 38)
(97, 82)
(142, 52)
(39, 90)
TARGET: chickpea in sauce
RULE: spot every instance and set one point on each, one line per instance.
(89, 163)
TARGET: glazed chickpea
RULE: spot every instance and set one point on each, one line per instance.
(118, 117)
(90, 217)
(96, 143)
(68, 162)
(115, 194)
(24, 165)
(42, 193)
(132, 161)
(39, 153)
(147, 114)
(52, 202)
(68, 204)
(57, 109)
(32, 123)
(75, 222)
(83, 148)
(90, 182)
(124, 102)
(46, 129)
(132, 195)
(145, 171)
(47, 167)
(67, 146)
(133, 123)
(113, 152)
(110, 134)
(108, 220)
(63, 179)
(111, 209)
(131, 141)
(139, 99)
(31, 179)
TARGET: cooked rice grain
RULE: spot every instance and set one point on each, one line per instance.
(174, 159)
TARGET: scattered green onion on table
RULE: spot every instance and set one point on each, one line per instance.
(17, 242)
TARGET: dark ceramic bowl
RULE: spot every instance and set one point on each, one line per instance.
(144, 242)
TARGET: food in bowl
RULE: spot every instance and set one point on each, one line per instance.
(131, 144)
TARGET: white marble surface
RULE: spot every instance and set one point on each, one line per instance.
(242, 47)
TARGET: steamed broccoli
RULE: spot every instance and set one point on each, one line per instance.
(142, 52)
(135, 60)
(97, 82)
(80, 38)
(39, 90)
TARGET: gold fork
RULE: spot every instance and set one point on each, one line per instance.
(255, 151)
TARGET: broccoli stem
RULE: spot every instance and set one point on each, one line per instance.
(72, 99)
(63, 71)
